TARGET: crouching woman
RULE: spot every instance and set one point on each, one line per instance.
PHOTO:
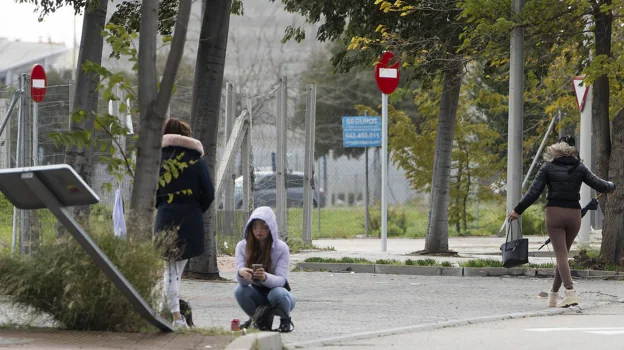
(262, 262)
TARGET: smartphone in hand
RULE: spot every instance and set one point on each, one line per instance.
(256, 266)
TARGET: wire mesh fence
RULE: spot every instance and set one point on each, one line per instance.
(339, 183)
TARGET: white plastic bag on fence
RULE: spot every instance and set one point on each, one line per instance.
(119, 220)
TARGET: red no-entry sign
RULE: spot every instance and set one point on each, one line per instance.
(38, 83)
(386, 75)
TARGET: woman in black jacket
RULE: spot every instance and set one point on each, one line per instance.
(179, 210)
(563, 173)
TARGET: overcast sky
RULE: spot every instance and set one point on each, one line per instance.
(18, 21)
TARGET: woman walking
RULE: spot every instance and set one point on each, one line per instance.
(262, 268)
(563, 173)
(182, 213)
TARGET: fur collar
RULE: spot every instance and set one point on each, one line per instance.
(558, 150)
(182, 141)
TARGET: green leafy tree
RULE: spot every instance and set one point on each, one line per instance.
(474, 156)
(426, 36)
(557, 27)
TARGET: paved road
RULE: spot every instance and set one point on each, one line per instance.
(330, 305)
(601, 328)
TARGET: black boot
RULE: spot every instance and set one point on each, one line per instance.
(286, 325)
(246, 324)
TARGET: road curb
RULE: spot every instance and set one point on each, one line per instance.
(257, 341)
(446, 271)
(446, 324)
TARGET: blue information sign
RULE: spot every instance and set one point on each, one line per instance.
(361, 131)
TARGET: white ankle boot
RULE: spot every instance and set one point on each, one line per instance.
(552, 298)
(570, 299)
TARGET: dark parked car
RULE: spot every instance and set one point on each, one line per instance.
(264, 191)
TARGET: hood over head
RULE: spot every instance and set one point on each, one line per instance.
(267, 215)
(558, 150)
(175, 140)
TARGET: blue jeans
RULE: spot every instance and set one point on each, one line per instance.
(249, 298)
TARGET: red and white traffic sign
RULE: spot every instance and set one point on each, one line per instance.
(386, 75)
(38, 83)
(580, 90)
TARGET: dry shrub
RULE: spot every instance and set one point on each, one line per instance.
(61, 280)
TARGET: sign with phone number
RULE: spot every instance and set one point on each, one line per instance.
(361, 131)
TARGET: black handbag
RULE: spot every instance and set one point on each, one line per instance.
(516, 252)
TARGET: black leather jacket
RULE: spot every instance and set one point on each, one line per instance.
(563, 176)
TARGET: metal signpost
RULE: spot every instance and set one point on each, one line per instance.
(57, 187)
(387, 78)
(584, 99)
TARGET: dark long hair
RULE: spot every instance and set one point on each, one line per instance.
(254, 253)
(176, 127)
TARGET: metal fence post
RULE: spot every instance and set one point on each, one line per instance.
(247, 164)
(35, 133)
(20, 158)
(308, 172)
(281, 167)
(366, 192)
(228, 191)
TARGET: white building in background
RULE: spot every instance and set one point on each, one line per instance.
(18, 57)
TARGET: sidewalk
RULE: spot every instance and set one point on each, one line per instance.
(56, 339)
(338, 304)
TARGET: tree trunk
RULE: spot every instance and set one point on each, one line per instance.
(153, 105)
(207, 87)
(86, 93)
(437, 228)
(612, 248)
(600, 95)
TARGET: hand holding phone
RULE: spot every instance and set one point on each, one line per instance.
(258, 272)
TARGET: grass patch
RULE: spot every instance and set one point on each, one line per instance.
(344, 260)
(423, 262)
(213, 332)
(542, 266)
(348, 222)
(482, 263)
(478, 263)
(590, 260)
(389, 262)
(61, 280)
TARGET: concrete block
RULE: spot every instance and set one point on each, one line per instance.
(485, 271)
(257, 341)
(579, 273)
(598, 273)
(337, 267)
(407, 270)
(451, 271)
(522, 271)
(546, 273)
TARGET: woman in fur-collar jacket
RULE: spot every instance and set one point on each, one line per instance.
(179, 212)
(563, 173)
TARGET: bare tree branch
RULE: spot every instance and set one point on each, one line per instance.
(175, 55)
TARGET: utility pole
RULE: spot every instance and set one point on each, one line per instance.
(515, 127)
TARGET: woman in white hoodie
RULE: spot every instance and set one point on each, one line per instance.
(267, 285)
